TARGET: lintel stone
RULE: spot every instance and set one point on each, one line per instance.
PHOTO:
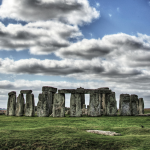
(26, 91)
(49, 88)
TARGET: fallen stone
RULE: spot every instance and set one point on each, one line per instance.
(110, 133)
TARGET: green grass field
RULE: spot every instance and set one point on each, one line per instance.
(70, 133)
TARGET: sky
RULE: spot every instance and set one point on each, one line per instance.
(69, 44)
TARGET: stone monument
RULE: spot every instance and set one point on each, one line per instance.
(59, 105)
(134, 101)
(141, 106)
(124, 105)
(11, 104)
(20, 105)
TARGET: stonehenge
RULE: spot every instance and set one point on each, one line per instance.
(45, 103)
(124, 105)
(52, 103)
(59, 105)
(11, 104)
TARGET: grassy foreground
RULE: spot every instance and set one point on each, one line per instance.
(70, 133)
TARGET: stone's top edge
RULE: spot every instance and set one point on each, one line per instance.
(125, 94)
(133, 95)
(26, 90)
(12, 92)
(103, 88)
(140, 98)
(48, 87)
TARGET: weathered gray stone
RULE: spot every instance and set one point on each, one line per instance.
(68, 112)
(11, 104)
(111, 105)
(103, 103)
(95, 105)
(20, 105)
(82, 100)
(141, 106)
(29, 106)
(12, 93)
(133, 101)
(44, 106)
(75, 105)
(83, 109)
(59, 105)
(49, 88)
(125, 105)
(104, 88)
(26, 91)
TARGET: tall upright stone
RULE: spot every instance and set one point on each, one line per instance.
(45, 103)
(20, 105)
(133, 101)
(141, 106)
(125, 105)
(11, 104)
(75, 105)
(29, 106)
(94, 105)
(59, 105)
(84, 110)
(81, 91)
(111, 105)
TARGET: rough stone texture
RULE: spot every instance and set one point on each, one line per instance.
(95, 106)
(20, 105)
(141, 106)
(29, 106)
(111, 105)
(26, 91)
(125, 105)
(12, 93)
(83, 109)
(133, 101)
(110, 133)
(59, 105)
(11, 104)
(103, 103)
(49, 88)
(43, 108)
(104, 88)
(68, 112)
(75, 105)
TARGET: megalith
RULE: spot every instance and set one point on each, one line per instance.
(45, 103)
(11, 104)
(134, 101)
(124, 105)
(94, 105)
(59, 105)
(29, 106)
(141, 106)
(111, 105)
(75, 105)
(20, 105)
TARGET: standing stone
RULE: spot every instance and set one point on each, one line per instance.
(111, 105)
(141, 106)
(75, 105)
(43, 105)
(125, 105)
(11, 104)
(84, 110)
(59, 105)
(95, 106)
(88, 109)
(29, 106)
(20, 105)
(133, 101)
(103, 103)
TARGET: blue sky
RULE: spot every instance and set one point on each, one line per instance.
(73, 43)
